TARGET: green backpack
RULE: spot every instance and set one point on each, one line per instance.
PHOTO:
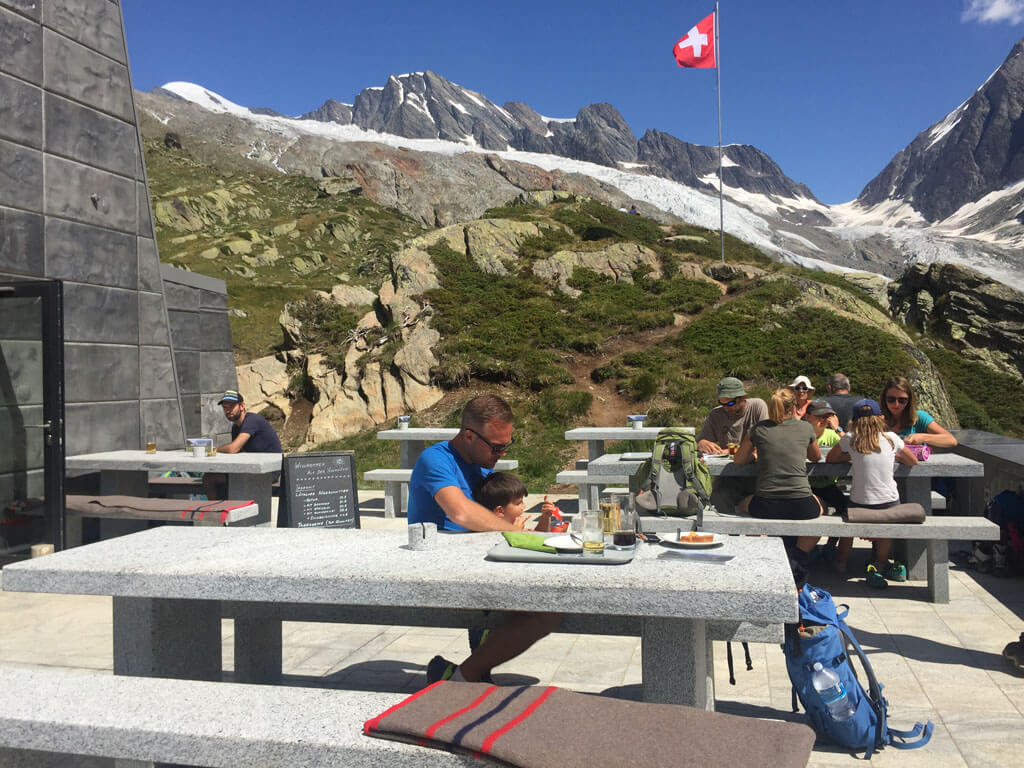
(678, 481)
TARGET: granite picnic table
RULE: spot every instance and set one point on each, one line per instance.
(171, 586)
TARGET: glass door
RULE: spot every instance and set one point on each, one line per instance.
(31, 417)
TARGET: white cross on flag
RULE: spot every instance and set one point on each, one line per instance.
(697, 48)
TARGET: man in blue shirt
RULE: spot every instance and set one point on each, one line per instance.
(441, 492)
(250, 433)
(447, 475)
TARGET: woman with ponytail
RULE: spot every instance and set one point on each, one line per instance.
(784, 445)
(871, 448)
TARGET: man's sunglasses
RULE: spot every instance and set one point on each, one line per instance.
(496, 448)
(730, 403)
(801, 388)
(900, 400)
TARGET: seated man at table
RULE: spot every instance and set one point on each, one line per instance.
(727, 425)
(250, 433)
(441, 491)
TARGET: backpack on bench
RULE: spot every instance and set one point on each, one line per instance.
(678, 483)
(823, 637)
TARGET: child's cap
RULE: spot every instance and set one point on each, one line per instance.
(866, 407)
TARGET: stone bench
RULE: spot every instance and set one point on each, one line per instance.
(396, 485)
(197, 722)
(936, 532)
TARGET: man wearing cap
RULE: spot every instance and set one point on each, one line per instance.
(250, 432)
(732, 419)
(727, 424)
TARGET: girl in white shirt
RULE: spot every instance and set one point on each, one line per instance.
(872, 450)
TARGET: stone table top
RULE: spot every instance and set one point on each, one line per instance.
(419, 434)
(617, 433)
(180, 460)
(371, 567)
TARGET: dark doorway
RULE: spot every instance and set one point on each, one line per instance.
(31, 417)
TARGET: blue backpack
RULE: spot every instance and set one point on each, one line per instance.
(823, 636)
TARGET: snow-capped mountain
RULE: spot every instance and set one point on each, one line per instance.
(920, 209)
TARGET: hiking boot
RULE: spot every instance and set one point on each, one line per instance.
(1014, 653)
(1000, 566)
(875, 579)
(477, 637)
(896, 572)
(439, 668)
(980, 560)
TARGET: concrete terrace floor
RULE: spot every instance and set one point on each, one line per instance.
(938, 662)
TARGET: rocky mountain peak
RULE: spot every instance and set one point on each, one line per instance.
(978, 148)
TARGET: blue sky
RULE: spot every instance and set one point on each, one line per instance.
(830, 90)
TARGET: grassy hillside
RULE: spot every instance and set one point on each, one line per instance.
(656, 345)
(271, 237)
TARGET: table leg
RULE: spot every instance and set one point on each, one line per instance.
(120, 482)
(677, 663)
(258, 654)
(919, 490)
(255, 487)
(938, 571)
(155, 637)
(409, 451)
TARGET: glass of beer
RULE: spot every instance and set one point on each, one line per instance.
(150, 440)
(593, 533)
(624, 523)
(610, 514)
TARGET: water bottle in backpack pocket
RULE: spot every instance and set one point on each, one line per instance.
(838, 708)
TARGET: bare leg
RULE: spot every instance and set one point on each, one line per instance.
(743, 506)
(807, 543)
(506, 642)
(843, 553)
(882, 549)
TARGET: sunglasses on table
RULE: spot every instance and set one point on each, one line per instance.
(894, 400)
(496, 448)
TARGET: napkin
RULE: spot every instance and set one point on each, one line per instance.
(527, 541)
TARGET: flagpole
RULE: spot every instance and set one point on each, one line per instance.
(718, 78)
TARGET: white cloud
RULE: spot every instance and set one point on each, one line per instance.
(994, 11)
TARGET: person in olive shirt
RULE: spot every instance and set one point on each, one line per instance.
(784, 446)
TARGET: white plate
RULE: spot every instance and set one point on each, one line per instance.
(668, 540)
(564, 543)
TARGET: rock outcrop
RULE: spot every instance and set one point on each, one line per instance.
(983, 318)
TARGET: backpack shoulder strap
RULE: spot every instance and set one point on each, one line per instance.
(921, 733)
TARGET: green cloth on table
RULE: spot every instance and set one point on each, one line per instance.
(527, 541)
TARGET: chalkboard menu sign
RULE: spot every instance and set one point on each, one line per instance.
(318, 490)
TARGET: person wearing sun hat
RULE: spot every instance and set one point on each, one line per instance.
(803, 389)
(728, 423)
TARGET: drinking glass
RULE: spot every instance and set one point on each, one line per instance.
(150, 440)
(593, 532)
(623, 525)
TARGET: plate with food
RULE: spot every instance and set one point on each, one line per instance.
(565, 543)
(692, 540)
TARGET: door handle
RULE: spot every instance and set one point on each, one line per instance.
(47, 428)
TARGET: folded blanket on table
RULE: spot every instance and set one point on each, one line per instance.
(547, 727)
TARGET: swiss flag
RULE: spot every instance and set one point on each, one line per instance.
(697, 48)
